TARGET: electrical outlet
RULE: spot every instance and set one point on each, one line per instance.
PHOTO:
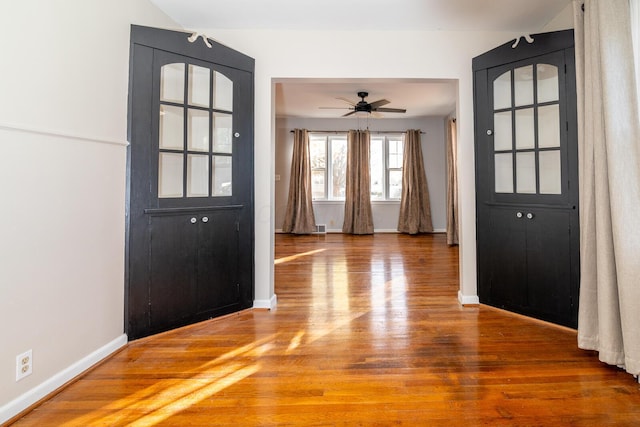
(24, 364)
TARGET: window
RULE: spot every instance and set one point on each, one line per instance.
(386, 166)
(328, 177)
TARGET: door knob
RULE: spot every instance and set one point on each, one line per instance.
(205, 219)
(519, 215)
(529, 215)
(193, 220)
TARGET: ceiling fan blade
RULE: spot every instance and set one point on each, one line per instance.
(334, 108)
(391, 110)
(346, 100)
(379, 103)
(349, 113)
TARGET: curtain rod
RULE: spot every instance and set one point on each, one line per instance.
(346, 131)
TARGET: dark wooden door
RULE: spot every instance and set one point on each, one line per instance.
(190, 201)
(526, 178)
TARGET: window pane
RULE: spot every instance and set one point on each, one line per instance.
(170, 175)
(198, 130)
(376, 166)
(502, 91)
(222, 130)
(526, 173)
(525, 136)
(221, 178)
(395, 184)
(549, 126)
(502, 134)
(396, 147)
(171, 127)
(197, 175)
(550, 172)
(172, 83)
(222, 92)
(523, 85)
(503, 172)
(339, 167)
(317, 151)
(547, 75)
(317, 184)
(199, 81)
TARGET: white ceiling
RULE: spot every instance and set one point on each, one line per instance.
(301, 98)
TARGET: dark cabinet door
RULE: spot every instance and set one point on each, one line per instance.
(527, 262)
(526, 178)
(190, 184)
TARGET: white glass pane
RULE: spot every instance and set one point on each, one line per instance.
(396, 153)
(198, 130)
(317, 151)
(171, 127)
(221, 185)
(339, 168)
(523, 85)
(197, 175)
(550, 172)
(525, 135)
(172, 83)
(549, 126)
(502, 91)
(503, 172)
(395, 184)
(222, 92)
(170, 175)
(222, 129)
(376, 166)
(317, 184)
(502, 134)
(526, 173)
(199, 82)
(547, 75)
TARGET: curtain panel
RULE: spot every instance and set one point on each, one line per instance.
(609, 167)
(299, 218)
(415, 210)
(452, 183)
(358, 218)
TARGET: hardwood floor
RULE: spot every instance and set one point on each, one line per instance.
(368, 331)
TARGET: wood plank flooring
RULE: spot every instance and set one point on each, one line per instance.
(368, 331)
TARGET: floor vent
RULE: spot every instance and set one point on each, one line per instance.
(321, 229)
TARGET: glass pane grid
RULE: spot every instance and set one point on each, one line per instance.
(195, 141)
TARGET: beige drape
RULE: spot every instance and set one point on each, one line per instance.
(415, 210)
(452, 182)
(358, 218)
(609, 151)
(299, 218)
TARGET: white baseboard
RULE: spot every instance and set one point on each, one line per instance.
(40, 391)
(269, 304)
(468, 299)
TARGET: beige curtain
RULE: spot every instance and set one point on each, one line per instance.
(415, 210)
(358, 218)
(452, 182)
(609, 150)
(299, 217)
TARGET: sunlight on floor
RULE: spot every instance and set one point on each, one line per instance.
(296, 256)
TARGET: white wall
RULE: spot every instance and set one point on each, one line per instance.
(62, 172)
(385, 214)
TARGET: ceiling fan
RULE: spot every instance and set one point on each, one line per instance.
(367, 107)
